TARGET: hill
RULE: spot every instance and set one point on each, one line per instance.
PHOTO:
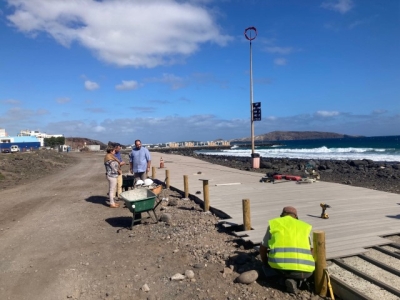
(77, 142)
(293, 135)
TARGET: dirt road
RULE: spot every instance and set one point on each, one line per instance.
(60, 240)
(49, 230)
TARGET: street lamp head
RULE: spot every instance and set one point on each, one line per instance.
(250, 30)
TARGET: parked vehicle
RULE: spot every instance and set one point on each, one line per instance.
(5, 150)
(14, 148)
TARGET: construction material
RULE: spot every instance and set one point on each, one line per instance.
(167, 178)
(324, 206)
(206, 195)
(320, 262)
(246, 214)
(186, 185)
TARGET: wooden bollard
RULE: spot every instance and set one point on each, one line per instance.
(206, 195)
(320, 263)
(167, 178)
(186, 185)
(153, 172)
(246, 214)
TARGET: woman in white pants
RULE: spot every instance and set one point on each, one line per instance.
(112, 171)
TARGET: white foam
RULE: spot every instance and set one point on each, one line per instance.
(375, 154)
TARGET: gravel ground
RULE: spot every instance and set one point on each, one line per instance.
(386, 259)
(360, 284)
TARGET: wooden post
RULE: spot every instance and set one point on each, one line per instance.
(206, 195)
(320, 263)
(167, 178)
(153, 172)
(186, 185)
(246, 214)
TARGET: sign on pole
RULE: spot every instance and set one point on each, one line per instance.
(257, 111)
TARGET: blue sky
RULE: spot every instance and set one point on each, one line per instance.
(169, 70)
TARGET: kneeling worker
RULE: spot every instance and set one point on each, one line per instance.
(286, 249)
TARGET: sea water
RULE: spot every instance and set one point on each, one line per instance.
(379, 148)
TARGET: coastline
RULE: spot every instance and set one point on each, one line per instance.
(381, 176)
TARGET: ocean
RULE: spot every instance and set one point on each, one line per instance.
(378, 148)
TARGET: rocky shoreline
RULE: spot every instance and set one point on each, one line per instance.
(381, 176)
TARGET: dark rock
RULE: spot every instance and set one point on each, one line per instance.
(173, 202)
(166, 218)
(356, 163)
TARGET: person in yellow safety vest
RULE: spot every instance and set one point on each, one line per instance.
(286, 249)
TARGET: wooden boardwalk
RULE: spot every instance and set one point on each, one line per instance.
(358, 218)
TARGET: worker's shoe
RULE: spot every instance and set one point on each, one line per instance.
(291, 286)
(114, 205)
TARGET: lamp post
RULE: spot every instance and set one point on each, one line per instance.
(255, 157)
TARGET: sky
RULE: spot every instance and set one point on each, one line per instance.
(174, 70)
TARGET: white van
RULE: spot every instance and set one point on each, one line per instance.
(14, 148)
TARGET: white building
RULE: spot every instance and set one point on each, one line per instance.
(2, 132)
(40, 135)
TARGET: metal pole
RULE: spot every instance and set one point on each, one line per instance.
(251, 100)
(250, 38)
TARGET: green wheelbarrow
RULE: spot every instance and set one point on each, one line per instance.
(140, 200)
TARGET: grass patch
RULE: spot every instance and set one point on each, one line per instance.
(2, 177)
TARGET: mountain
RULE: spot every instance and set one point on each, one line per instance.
(77, 142)
(293, 135)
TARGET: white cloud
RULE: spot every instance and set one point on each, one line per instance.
(279, 50)
(280, 61)
(143, 109)
(175, 82)
(96, 110)
(63, 100)
(11, 102)
(127, 85)
(91, 85)
(324, 113)
(341, 6)
(141, 33)
(98, 129)
(379, 111)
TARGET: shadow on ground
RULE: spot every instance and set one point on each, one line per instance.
(98, 200)
(120, 222)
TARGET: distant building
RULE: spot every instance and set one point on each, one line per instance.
(93, 147)
(195, 144)
(2, 132)
(40, 135)
(25, 143)
(64, 148)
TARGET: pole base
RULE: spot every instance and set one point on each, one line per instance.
(255, 162)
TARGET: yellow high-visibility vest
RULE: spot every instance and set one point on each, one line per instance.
(289, 245)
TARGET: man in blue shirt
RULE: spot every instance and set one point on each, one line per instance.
(140, 161)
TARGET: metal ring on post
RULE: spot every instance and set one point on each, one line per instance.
(250, 28)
